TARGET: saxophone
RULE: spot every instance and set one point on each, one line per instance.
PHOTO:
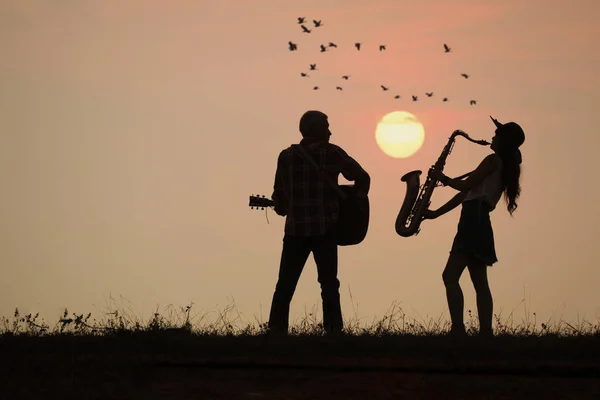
(416, 201)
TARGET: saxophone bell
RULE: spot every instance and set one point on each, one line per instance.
(406, 223)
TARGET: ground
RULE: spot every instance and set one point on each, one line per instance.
(180, 366)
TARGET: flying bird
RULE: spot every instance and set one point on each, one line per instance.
(313, 67)
(346, 77)
(305, 29)
(303, 74)
(384, 88)
(415, 98)
(301, 20)
(397, 96)
(446, 48)
(331, 44)
(473, 102)
(338, 88)
(381, 47)
(293, 46)
(316, 88)
(317, 23)
(323, 49)
(429, 94)
(465, 75)
(445, 99)
(357, 46)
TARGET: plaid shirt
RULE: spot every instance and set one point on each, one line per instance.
(309, 203)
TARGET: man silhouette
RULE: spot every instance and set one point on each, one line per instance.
(311, 208)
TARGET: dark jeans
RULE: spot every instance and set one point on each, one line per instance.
(295, 252)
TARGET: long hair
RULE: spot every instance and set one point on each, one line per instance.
(511, 174)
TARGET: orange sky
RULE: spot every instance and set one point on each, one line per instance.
(134, 131)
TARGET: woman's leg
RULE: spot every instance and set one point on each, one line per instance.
(485, 304)
(457, 262)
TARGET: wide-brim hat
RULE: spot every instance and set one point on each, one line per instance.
(511, 130)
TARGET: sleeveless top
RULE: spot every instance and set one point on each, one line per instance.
(490, 189)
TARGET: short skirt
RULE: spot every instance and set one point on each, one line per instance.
(475, 235)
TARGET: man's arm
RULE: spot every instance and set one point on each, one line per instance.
(279, 200)
(353, 171)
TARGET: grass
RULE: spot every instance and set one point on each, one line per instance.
(395, 336)
(229, 322)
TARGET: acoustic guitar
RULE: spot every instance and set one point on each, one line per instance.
(354, 212)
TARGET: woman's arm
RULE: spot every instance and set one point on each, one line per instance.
(485, 168)
(450, 205)
(463, 176)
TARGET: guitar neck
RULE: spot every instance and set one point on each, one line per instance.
(260, 202)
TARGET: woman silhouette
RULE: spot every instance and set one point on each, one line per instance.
(473, 245)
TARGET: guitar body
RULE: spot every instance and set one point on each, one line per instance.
(353, 219)
(353, 222)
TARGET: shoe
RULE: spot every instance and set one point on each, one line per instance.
(335, 333)
(486, 334)
(275, 333)
(457, 333)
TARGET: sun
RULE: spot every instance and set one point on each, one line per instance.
(400, 134)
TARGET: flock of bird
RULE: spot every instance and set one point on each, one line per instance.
(324, 48)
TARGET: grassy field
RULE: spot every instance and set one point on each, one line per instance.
(395, 357)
